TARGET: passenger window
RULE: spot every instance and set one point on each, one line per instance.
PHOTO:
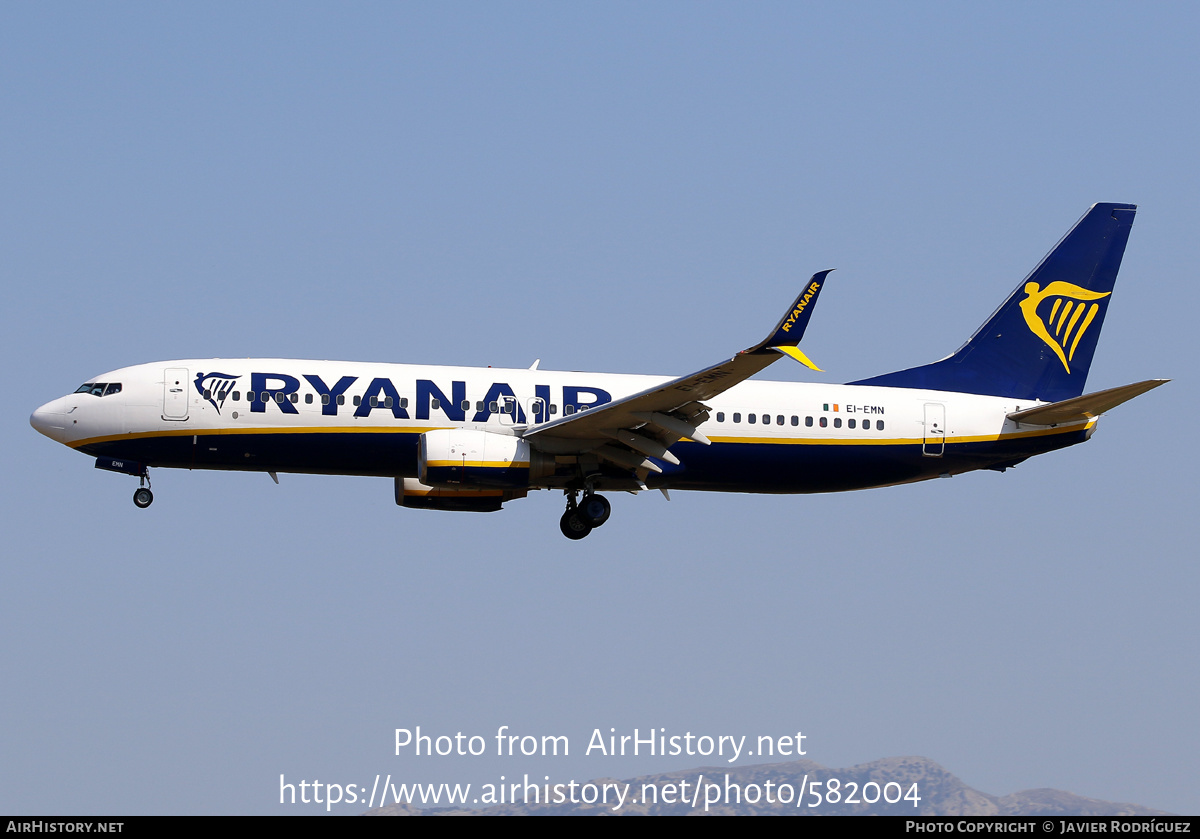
(264, 396)
(279, 397)
(479, 406)
(779, 420)
(837, 422)
(236, 396)
(737, 417)
(375, 401)
(342, 399)
(568, 409)
(493, 407)
(207, 393)
(720, 416)
(308, 399)
(849, 423)
(435, 403)
(465, 405)
(325, 399)
(824, 422)
(553, 409)
(795, 420)
(357, 400)
(403, 401)
(250, 396)
(750, 418)
(295, 397)
(879, 425)
(387, 402)
(808, 422)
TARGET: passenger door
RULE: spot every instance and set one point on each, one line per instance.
(175, 394)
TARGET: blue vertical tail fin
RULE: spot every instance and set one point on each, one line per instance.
(1039, 343)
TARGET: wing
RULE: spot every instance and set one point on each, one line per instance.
(630, 431)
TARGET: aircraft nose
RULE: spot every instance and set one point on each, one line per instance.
(53, 423)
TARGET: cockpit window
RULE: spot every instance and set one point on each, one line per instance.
(100, 388)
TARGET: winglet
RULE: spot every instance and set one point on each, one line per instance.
(795, 353)
(790, 329)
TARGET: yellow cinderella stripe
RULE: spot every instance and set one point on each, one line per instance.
(215, 432)
(773, 441)
(903, 441)
(482, 464)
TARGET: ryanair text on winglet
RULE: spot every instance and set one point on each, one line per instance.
(796, 312)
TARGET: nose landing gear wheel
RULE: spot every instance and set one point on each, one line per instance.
(573, 525)
(143, 497)
(595, 509)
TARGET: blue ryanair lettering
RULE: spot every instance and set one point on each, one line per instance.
(330, 409)
(380, 388)
(427, 390)
(258, 384)
(278, 387)
(542, 392)
(571, 397)
(496, 393)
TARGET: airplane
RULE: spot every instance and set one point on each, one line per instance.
(472, 439)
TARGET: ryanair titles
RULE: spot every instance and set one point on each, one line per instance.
(809, 293)
(284, 392)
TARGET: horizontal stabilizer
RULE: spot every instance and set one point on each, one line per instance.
(1084, 407)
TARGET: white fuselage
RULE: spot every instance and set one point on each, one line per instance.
(364, 418)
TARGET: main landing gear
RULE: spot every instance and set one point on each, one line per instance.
(142, 496)
(581, 517)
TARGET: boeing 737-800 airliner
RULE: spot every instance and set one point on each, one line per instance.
(469, 438)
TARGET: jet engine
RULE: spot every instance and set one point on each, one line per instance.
(413, 494)
(463, 457)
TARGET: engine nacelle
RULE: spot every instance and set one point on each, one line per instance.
(463, 457)
(413, 494)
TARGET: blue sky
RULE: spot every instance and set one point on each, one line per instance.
(606, 187)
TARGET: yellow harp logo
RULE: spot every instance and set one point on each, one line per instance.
(1069, 317)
